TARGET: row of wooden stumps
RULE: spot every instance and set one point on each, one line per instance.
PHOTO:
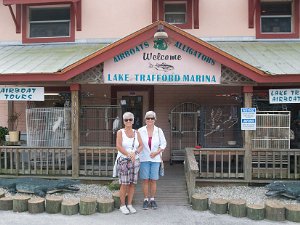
(271, 210)
(56, 204)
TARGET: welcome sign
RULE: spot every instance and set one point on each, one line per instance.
(162, 62)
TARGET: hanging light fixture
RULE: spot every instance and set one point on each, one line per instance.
(160, 33)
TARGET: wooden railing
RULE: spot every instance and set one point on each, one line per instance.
(35, 161)
(220, 163)
(97, 161)
(43, 161)
(275, 164)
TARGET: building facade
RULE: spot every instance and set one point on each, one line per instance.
(71, 68)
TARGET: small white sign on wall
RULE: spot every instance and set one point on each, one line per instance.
(22, 93)
(282, 96)
(248, 118)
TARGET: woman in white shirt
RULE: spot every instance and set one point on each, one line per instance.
(129, 145)
(154, 143)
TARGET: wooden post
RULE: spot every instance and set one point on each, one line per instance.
(255, 211)
(199, 202)
(116, 197)
(87, 205)
(292, 213)
(20, 203)
(248, 92)
(75, 88)
(69, 207)
(105, 205)
(6, 203)
(275, 211)
(219, 206)
(53, 204)
(36, 205)
(237, 208)
(2, 194)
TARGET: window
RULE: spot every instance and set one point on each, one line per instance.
(175, 13)
(278, 19)
(48, 24)
(178, 12)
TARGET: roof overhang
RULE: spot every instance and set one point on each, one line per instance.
(15, 2)
(144, 34)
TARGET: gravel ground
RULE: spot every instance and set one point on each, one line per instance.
(86, 190)
(253, 195)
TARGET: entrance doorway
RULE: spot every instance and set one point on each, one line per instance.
(136, 103)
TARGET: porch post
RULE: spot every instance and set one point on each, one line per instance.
(75, 88)
(248, 92)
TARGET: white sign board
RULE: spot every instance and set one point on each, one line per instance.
(248, 118)
(162, 62)
(282, 96)
(22, 93)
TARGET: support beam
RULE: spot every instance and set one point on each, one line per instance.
(16, 17)
(248, 92)
(75, 88)
(77, 10)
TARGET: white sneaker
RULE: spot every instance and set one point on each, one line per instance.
(131, 209)
(124, 210)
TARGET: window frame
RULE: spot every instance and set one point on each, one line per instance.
(271, 35)
(26, 25)
(189, 12)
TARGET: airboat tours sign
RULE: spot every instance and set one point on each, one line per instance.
(281, 96)
(162, 62)
(22, 93)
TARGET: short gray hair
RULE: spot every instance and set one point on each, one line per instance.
(150, 114)
(128, 115)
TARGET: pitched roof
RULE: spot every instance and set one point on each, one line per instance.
(43, 58)
(275, 58)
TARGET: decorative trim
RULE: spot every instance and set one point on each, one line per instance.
(154, 10)
(196, 14)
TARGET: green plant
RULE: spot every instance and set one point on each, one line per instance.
(3, 132)
(114, 185)
(13, 120)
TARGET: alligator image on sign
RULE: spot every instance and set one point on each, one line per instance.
(38, 186)
(289, 189)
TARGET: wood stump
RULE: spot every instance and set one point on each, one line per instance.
(20, 203)
(105, 205)
(2, 194)
(6, 203)
(237, 207)
(53, 204)
(116, 197)
(219, 206)
(69, 207)
(199, 202)
(36, 205)
(255, 211)
(275, 211)
(87, 205)
(292, 212)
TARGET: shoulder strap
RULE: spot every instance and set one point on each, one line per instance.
(133, 139)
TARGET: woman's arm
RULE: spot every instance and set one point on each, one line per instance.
(119, 144)
(141, 146)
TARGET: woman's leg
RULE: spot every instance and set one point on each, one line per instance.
(152, 188)
(146, 188)
(131, 189)
(123, 191)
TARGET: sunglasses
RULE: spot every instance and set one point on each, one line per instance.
(126, 120)
(150, 118)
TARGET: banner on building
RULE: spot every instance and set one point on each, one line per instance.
(22, 93)
(283, 96)
(162, 62)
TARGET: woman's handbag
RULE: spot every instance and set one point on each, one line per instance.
(161, 168)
